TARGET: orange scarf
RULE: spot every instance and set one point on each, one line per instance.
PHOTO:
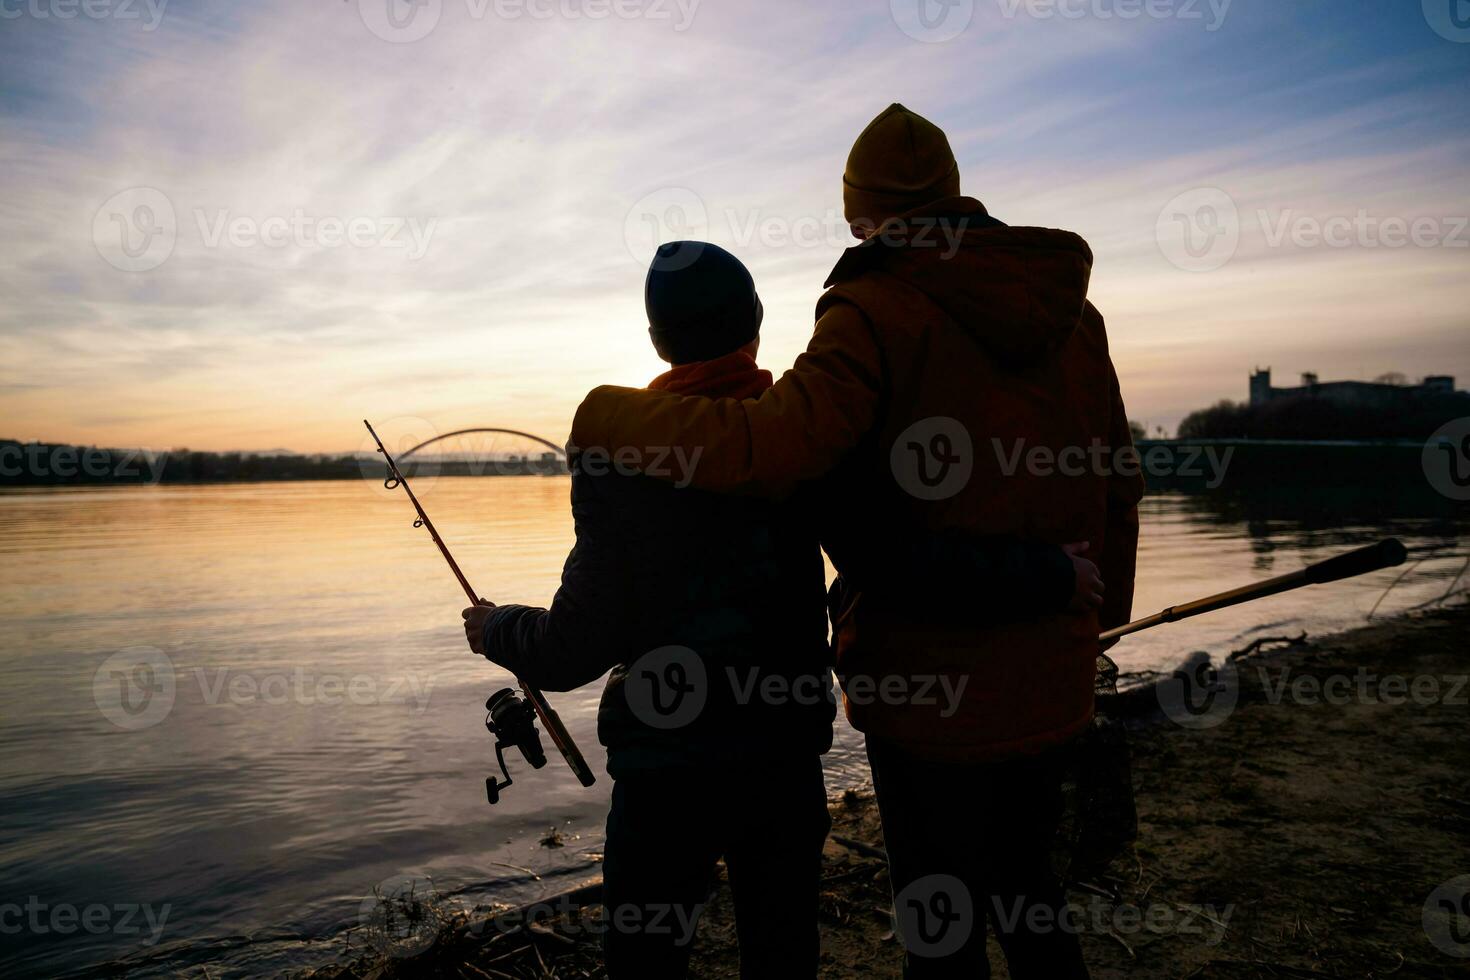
(734, 375)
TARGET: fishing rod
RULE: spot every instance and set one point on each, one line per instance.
(507, 717)
(1385, 554)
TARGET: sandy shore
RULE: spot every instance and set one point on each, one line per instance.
(1297, 830)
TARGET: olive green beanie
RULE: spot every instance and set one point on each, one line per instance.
(900, 162)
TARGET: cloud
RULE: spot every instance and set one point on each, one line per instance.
(522, 147)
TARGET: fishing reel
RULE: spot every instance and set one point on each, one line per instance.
(512, 721)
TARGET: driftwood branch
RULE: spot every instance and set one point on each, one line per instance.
(866, 850)
(1255, 646)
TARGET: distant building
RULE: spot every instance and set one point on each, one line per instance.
(1367, 394)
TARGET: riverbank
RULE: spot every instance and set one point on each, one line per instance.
(51, 465)
(1296, 829)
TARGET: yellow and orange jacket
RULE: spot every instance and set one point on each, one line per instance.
(958, 381)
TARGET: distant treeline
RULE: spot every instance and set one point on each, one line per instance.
(57, 464)
(1320, 418)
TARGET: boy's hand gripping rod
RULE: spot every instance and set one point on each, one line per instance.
(553, 724)
(1384, 554)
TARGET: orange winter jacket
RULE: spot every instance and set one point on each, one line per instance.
(958, 381)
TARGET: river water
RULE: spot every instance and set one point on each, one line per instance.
(232, 712)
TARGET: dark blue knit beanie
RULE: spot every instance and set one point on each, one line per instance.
(701, 302)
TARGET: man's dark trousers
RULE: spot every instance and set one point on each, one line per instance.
(990, 827)
(665, 832)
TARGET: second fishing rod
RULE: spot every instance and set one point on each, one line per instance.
(1385, 554)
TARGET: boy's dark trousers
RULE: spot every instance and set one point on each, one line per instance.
(971, 842)
(665, 832)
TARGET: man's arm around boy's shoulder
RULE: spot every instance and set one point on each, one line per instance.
(796, 431)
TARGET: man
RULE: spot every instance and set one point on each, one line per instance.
(709, 611)
(958, 381)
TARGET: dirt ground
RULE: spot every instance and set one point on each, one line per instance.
(1299, 834)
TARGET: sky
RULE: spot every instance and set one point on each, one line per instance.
(249, 225)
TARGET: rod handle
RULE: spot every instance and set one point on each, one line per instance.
(1385, 554)
(560, 737)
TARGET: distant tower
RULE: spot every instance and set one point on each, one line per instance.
(1441, 384)
(1309, 379)
(1260, 386)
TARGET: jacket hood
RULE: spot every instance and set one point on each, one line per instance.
(1020, 292)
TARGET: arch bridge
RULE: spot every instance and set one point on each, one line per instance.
(559, 450)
